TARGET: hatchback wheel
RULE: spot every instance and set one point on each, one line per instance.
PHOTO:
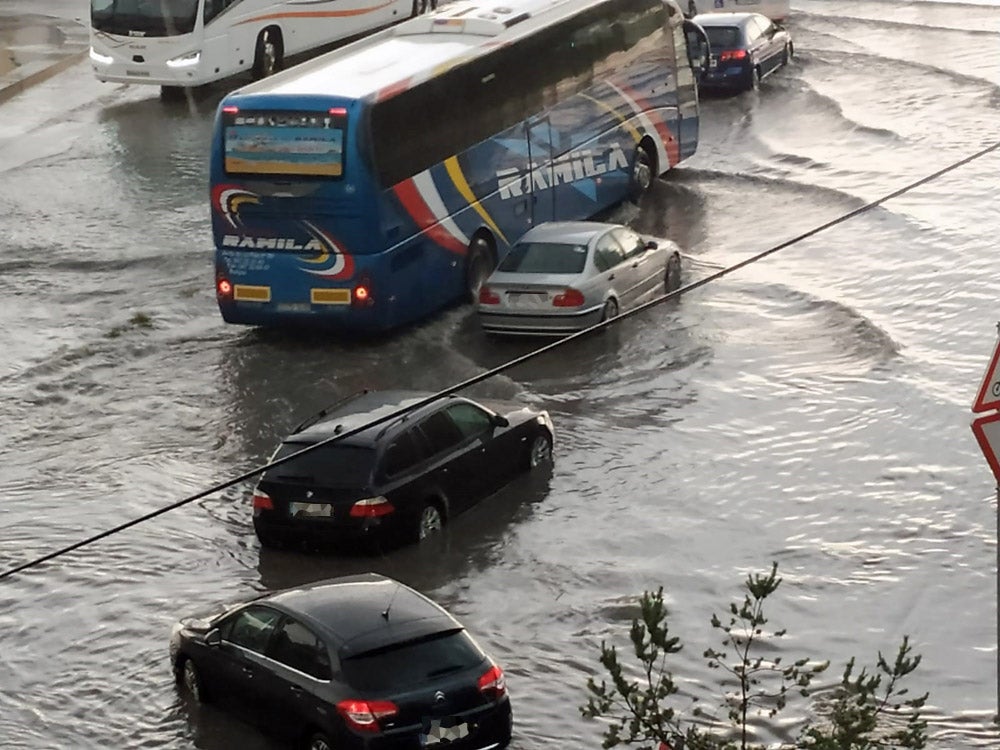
(539, 451)
(430, 522)
(319, 741)
(754, 79)
(191, 681)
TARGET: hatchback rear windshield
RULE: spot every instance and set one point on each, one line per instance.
(412, 663)
(330, 466)
(545, 257)
(723, 37)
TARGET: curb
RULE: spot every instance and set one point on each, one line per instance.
(9, 91)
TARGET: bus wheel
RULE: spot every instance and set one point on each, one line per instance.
(642, 172)
(171, 93)
(479, 265)
(268, 57)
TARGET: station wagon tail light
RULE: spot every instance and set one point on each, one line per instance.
(732, 54)
(372, 507)
(487, 296)
(493, 684)
(364, 716)
(568, 298)
(262, 501)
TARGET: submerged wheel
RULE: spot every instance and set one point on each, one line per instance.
(539, 451)
(429, 522)
(269, 54)
(754, 84)
(789, 53)
(171, 93)
(672, 276)
(191, 681)
(319, 741)
(610, 310)
(642, 172)
(479, 265)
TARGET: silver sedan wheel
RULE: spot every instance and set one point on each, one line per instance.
(430, 522)
(541, 452)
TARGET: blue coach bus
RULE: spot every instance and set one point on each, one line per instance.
(377, 184)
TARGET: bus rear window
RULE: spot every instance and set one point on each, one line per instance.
(296, 144)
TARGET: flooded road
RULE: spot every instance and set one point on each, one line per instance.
(811, 409)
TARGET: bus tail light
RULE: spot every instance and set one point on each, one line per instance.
(364, 716)
(361, 294)
(487, 296)
(568, 298)
(372, 507)
(732, 54)
(339, 111)
(231, 109)
(224, 288)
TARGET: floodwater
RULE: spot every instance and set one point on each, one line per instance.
(811, 409)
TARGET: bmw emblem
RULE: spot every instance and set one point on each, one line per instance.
(309, 493)
(439, 697)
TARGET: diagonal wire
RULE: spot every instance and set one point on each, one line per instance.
(503, 367)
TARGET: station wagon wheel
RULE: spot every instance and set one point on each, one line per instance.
(319, 741)
(191, 681)
(610, 310)
(268, 54)
(539, 451)
(672, 276)
(430, 522)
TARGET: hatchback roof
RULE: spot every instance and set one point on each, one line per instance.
(723, 19)
(568, 232)
(363, 612)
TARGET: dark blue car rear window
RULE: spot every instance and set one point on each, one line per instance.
(723, 37)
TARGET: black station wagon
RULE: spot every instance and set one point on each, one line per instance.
(355, 662)
(397, 481)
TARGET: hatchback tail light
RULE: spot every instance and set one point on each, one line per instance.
(487, 296)
(261, 501)
(372, 507)
(568, 298)
(364, 716)
(493, 684)
(732, 54)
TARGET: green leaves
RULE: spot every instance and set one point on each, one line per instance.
(869, 711)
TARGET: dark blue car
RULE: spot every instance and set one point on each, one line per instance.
(746, 48)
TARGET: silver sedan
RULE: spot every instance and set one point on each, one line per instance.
(562, 277)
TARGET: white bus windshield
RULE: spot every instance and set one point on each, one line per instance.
(144, 17)
(302, 144)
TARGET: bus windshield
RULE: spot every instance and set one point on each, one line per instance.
(299, 144)
(144, 17)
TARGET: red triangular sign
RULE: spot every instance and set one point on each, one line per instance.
(987, 432)
(989, 392)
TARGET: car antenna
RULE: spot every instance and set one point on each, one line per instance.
(385, 612)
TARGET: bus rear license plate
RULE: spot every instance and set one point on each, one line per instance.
(293, 307)
(137, 73)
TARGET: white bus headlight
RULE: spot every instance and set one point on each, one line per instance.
(97, 57)
(185, 61)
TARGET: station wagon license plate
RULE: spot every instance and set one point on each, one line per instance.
(310, 510)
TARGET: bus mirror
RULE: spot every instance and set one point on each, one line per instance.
(698, 47)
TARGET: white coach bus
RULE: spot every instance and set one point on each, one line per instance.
(178, 44)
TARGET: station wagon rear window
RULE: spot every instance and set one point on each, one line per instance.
(545, 257)
(331, 465)
(295, 144)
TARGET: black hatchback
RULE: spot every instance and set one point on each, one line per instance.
(355, 662)
(397, 481)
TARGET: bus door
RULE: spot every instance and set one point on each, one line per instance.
(540, 158)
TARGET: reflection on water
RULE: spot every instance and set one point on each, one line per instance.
(810, 409)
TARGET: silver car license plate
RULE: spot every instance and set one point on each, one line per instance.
(528, 300)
